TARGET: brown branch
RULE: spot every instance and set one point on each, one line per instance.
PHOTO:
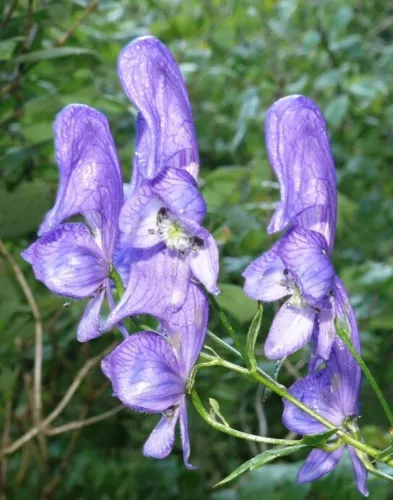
(78, 424)
(8, 14)
(60, 407)
(89, 9)
(37, 384)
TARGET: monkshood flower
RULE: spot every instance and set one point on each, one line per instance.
(298, 264)
(149, 372)
(164, 210)
(74, 259)
(333, 392)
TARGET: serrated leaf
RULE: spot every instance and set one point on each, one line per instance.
(54, 53)
(252, 336)
(270, 455)
(318, 440)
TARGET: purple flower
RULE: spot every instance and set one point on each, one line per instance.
(299, 151)
(74, 259)
(333, 392)
(298, 264)
(164, 210)
(149, 372)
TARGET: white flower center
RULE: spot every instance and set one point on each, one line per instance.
(174, 234)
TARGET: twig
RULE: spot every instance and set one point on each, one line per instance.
(89, 9)
(60, 407)
(37, 389)
(8, 14)
(4, 442)
(292, 370)
(78, 424)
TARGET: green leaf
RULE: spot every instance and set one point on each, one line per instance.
(54, 53)
(252, 336)
(236, 473)
(234, 301)
(270, 455)
(336, 110)
(7, 47)
(319, 440)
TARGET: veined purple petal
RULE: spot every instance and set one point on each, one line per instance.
(90, 177)
(89, 325)
(179, 193)
(205, 264)
(152, 80)
(141, 155)
(265, 277)
(318, 391)
(186, 328)
(342, 363)
(160, 442)
(359, 471)
(326, 333)
(299, 152)
(318, 464)
(185, 438)
(144, 373)
(304, 253)
(139, 210)
(291, 329)
(68, 261)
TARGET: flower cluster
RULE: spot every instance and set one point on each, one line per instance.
(299, 265)
(154, 239)
(152, 249)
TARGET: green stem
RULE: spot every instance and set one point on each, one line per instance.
(279, 389)
(344, 336)
(115, 276)
(233, 432)
(223, 343)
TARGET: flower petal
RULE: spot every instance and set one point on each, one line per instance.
(179, 192)
(299, 152)
(205, 264)
(342, 363)
(318, 464)
(325, 333)
(89, 325)
(152, 80)
(185, 438)
(360, 472)
(318, 392)
(291, 329)
(68, 261)
(145, 373)
(90, 177)
(304, 253)
(265, 278)
(160, 442)
(186, 328)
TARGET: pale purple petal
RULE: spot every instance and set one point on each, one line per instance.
(139, 209)
(318, 392)
(89, 325)
(185, 438)
(205, 264)
(178, 280)
(180, 194)
(266, 278)
(299, 152)
(68, 261)
(90, 177)
(141, 155)
(318, 464)
(326, 333)
(145, 373)
(342, 363)
(304, 253)
(160, 442)
(186, 328)
(152, 80)
(360, 472)
(291, 329)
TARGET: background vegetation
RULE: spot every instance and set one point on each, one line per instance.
(237, 58)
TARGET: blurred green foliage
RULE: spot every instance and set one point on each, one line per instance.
(237, 58)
